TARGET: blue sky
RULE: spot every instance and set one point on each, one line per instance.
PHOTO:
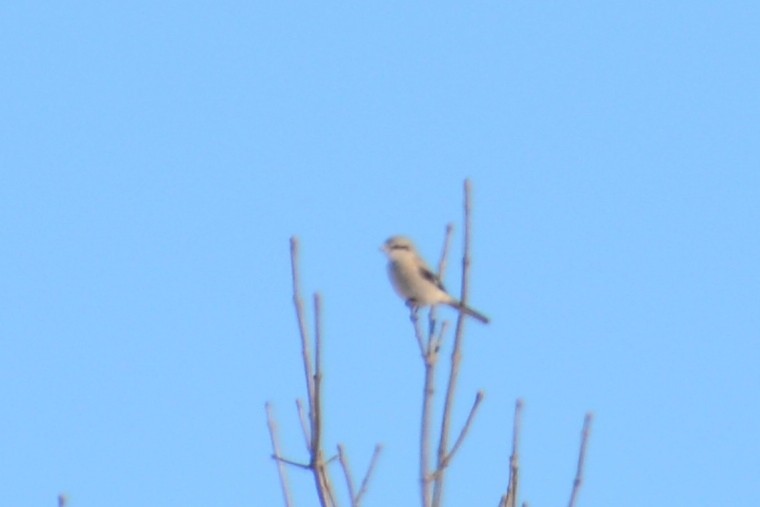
(155, 159)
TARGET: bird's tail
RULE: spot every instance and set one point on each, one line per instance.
(469, 311)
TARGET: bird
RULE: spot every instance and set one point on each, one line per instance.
(415, 282)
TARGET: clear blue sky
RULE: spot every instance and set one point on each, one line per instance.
(156, 157)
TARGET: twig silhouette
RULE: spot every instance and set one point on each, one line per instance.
(456, 358)
(581, 458)
(429, 352)
(311, 416)
(368, 475)
(313, 374)
(465, 429)
(356, 497)
(281, 472)
(510, 499)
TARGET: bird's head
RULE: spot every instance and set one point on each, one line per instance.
(398, 246)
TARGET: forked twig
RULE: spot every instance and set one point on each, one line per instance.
(357, 496)
(429, 352)
(311, 420)
(343, 458)
(313, 374)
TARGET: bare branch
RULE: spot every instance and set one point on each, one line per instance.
(356, 497)
(467, 235)
(429, 351)
(313, 374)
(581, 458)
(368, 475)
(276, 450)
(514, 460)
(321, 476)
(430, 360)
(347, 472)
(456, 357)
(316, 422)
(465, 429)
(302, 325)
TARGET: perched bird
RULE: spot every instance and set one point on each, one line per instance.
(415, 282)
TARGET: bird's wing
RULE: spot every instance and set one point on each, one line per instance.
(431, 277)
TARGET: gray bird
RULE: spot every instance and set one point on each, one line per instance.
(415, 282)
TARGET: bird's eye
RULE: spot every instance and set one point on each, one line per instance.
(399, 247)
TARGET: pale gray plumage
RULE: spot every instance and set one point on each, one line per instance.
(415, 282)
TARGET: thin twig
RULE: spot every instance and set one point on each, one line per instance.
(343, 458)
(324, 486)
(304, 424)
(316, 422)
(313, 380)
(581, 458)
(442, 264)
(456, 357)
(465, 429)
(414, 317)
(429, 352)
(438, 342)
(370, 470)
(305, 466)
(430, 360)
(356, 497)
(514, 460)
(302, 326)
(276, 449)
(445, 252)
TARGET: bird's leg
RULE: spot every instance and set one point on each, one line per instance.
(413, 308)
